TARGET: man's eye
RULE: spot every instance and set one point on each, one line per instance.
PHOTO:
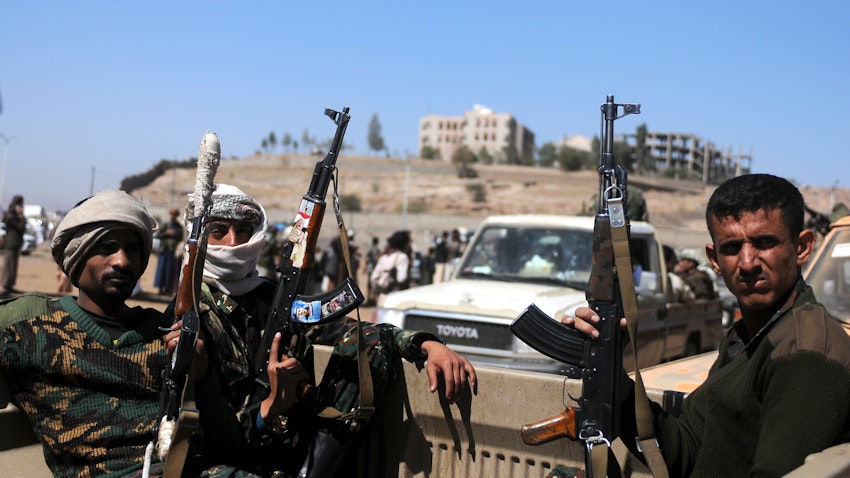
(218, 231)
(729, 249)
(104, 249)
(765, 243)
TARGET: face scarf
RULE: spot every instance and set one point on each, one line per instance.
(233, 269)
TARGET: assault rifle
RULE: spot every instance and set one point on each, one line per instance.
(598, 362)
(178, 415)
(291, 313)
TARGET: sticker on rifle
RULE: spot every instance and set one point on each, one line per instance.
(841, 250)
(299, 235)
(306, 312)
(339, 302)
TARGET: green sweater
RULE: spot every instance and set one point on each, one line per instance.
(769, 401)
(91, 402)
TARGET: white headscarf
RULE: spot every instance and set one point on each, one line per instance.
(233, 269)
(90, 220)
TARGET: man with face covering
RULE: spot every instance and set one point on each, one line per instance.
(235, 307)
(87, 370)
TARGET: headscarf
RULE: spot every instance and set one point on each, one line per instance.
(91, 219)
(233, 269)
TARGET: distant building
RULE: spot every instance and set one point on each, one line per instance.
(500, 134)
(687, 156)
(576, 141)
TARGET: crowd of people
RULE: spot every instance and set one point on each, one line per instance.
(783, 368)
(387, 265)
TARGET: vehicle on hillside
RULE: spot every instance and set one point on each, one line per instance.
(514, 261)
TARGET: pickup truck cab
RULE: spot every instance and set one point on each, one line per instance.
(513, 261)
(828, 271)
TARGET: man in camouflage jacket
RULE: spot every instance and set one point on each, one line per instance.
(86, 370)
(235, 307)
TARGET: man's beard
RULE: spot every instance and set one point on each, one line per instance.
(122, 291)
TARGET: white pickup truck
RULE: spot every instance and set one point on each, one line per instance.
(514, 261)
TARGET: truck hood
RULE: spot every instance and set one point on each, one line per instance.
(487, 298)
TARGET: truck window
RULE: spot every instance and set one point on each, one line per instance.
(521, 254)
(830, 277)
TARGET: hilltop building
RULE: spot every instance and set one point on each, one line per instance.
(500, 134)
(687, 156)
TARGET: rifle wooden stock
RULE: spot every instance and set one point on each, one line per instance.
(562, 425)
(185, 299)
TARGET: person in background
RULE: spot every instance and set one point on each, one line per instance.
(16, 225)
(678, 290)
(697, 281)
(441, 256)
(267, 265)
(170, 235)
(782, 371)
(371, 259)
(86, 370)
(390, 272)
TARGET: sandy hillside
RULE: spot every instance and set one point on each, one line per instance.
(439, 200)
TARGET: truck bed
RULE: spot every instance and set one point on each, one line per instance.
(426, 437)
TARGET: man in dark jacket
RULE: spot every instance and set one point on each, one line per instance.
(780, 388)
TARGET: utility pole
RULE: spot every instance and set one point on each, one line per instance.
(6, 141)
(406, 187)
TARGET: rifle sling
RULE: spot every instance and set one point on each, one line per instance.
(365, 389)
(187, 425)
(647, 443)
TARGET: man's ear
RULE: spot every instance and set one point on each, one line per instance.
(711, 254)
(805, 245)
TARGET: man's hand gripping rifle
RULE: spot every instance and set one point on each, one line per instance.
(179, 417)
(597, 361)
(291, 313)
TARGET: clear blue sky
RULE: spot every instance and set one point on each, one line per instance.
(104, 89)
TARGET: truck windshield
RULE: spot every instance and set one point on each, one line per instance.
(830, 276)
(527, 254)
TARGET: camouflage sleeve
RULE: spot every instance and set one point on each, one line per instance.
(409, 342)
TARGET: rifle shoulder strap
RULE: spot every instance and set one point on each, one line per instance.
(646, 441)
(366, 404)
(187, 424)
